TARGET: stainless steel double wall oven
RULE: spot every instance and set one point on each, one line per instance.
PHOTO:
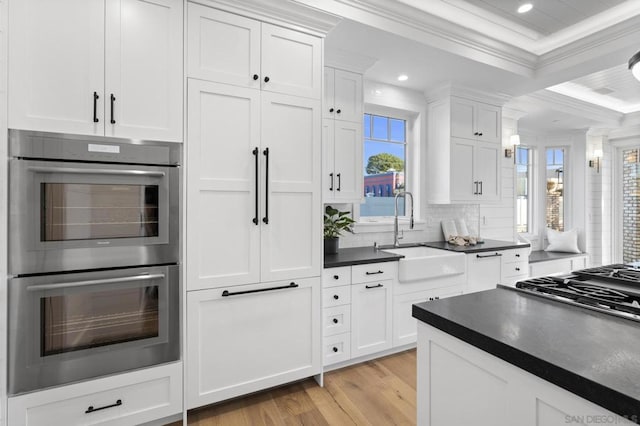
(93, 257)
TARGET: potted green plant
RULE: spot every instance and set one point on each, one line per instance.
(335, 222)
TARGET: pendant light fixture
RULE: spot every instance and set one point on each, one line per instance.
(634, 65)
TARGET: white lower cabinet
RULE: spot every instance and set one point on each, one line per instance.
(126, 399)
(483, 271)
(247, 338)
(371, 317)
(404, 324)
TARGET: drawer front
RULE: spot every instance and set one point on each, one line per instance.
(336, 320)
(336, 296)
(337, 348)
(515, 269)
(515, 255)
(147, 396)
(332, 277)
(374, 272)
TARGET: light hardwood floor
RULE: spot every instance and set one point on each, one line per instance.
(378, 392)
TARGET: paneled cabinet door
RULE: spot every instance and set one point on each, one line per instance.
(291, 210)
(237, 344)
(143, 85)
(463, 118)
(348, 101)
(223, 47)
(488, 119)
(56, 64)
(371, 322)
(487, 170)
(463, 182)
(223, 240)
(483, 271)
(348, 161)
(291, 62)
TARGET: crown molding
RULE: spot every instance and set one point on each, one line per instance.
(289, 13)
(498, 99)
(348, 61)
(431, 30)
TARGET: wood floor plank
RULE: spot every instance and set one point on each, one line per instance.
(377, 392)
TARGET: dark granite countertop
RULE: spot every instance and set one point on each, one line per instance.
(488, 245)
(541, 255)
(593, 355)
(358, 256)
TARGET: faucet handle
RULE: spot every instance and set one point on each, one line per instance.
(411, 223)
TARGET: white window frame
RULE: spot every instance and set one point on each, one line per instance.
(413, 168)
(533, 192)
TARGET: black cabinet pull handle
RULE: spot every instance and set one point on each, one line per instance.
(336, 297)
(91, 409)
(95, 107)
(330, 109)
(475, 133)
(374, 273)
(431, 298)
(517, 269)
(331, 176)
(335, 320)
(338, 111)
(257, 183)
(335, 349)
(266, 79)
(437, 298)
(517, 254)
(480, 134)
(265, 219)
(113, 100)
(480, 187)
(339, 181)
(255, 76)
(475, 192)
(373, 286)
(336, 277)
(227, 293)
(488, 255)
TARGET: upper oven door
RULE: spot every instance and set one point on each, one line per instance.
(67, 216)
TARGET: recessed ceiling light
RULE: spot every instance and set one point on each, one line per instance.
(403, 77)
(525, 7)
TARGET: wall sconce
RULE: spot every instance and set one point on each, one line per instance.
(597, 154)
(514, 140)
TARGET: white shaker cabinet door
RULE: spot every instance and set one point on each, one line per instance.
(223, 47)
(223, 227)
(143, 85)
(242, 343)
(348, 96)
(487, 170)
(291, 212)
(464, 184)
(371, 322)
(348, 174)
(291, 62)
(489, 122)
(56, 64)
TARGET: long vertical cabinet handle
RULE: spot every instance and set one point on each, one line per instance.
(113, 100)
(475, 191)
(481, 182)
(255, 154)
(265, 219)
(331, 186)
(339, 182)
(95, 107)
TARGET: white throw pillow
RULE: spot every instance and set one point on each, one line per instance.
(563, 241)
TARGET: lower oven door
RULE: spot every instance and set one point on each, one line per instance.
(70, 327)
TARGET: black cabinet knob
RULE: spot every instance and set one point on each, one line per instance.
(335, 349)
(338, 111)
(437, 297)
(475, 134)
(517, 269)
(330, 109)
(517, 255)
(255, 76)
(335, 320)
(480, 134)
(335, 296)
(266, 79)
(336, 277)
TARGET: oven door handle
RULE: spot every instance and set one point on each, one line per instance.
(44, 287)
(96, 171)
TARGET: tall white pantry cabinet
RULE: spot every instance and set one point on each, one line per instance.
(253, 205)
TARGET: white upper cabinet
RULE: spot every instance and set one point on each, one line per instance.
(342, 95)
(241, 51)
(470, 170)
(475, 120)
(97, 67)
(342, 177)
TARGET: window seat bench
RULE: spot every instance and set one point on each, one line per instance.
(552, 262)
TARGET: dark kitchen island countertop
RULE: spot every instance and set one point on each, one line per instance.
(487, 245)
(358, 256)
(591, 354)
